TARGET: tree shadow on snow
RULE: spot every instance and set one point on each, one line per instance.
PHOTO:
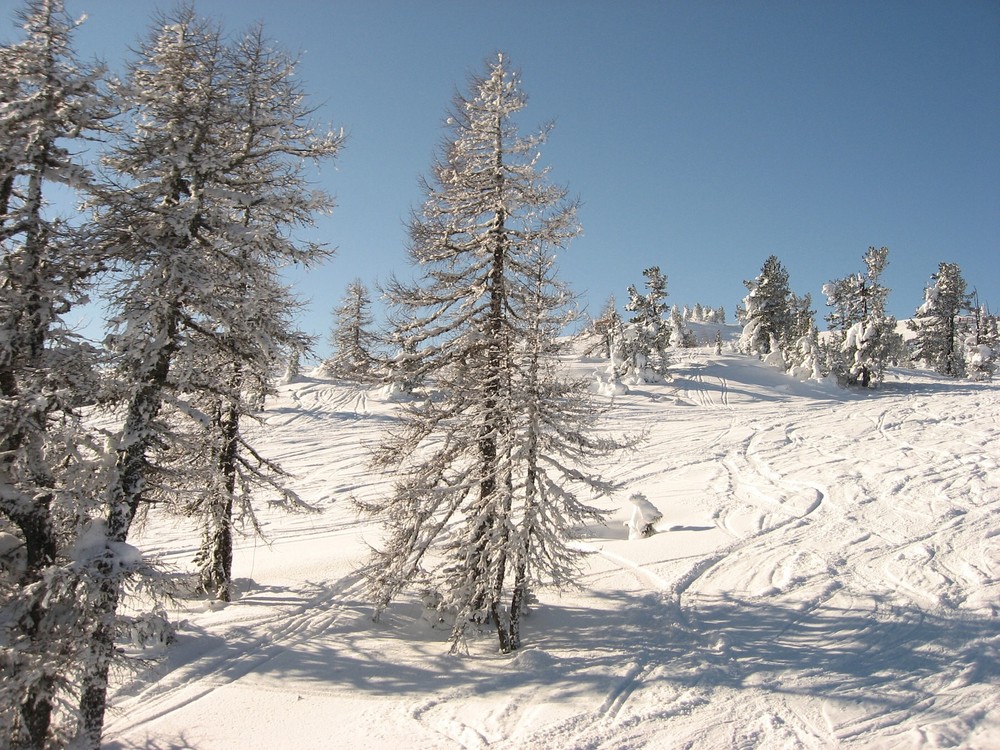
(889, 657)
(882, 657)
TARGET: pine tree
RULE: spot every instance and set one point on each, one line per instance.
(983, 344)
(604, 329)
(49, 103)
(355, 357)
(213, 163)
(767, 319)
(938, 324)
(647, 335)
(475, 501)
(863, 335)
(681, 336)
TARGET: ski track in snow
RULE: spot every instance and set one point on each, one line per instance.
(827, 574)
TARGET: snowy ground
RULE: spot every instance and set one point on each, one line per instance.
(825, 575)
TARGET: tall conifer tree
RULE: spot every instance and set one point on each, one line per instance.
(49, 103)
(460, 518)
(213, 164)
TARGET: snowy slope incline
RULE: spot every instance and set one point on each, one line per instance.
(826, 574)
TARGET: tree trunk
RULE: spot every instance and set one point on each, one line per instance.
(124, 498)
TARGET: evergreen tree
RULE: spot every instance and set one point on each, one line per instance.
(647, 335)
(937, 322)
(49, 103)
(863, 335)
(354, 358)
(477, 500)
(213, 163)
(767, 319)
(681, 336)
(983, 345)
(604, 329)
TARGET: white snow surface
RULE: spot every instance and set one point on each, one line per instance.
(825, 575)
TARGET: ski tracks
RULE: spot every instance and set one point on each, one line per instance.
(293, 618)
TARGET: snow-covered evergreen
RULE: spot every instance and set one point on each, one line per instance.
(49, 104)
(982, 345)
(209, 188)
(768, 322)
(484, 495)
(355, 356)
(937, 322)
(642, 352)
(863, 335)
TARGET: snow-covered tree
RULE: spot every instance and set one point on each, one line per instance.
(354, 357)
(937, 322)
(863, 335)
(49, 103)
(480, 495)
(805, 357)
(604, 329)
(647, 334)
(767, 318)
(210, 188)
(982, 347)
(681, 337)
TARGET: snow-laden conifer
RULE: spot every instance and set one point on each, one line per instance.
(863, 335)
(982, 344)
(644, 350)
(208, 189)
(49, 104)
(767, 317)
(937, 322)
(604, 330)
(476, 504)
(355, 345)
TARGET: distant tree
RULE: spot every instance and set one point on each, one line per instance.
(698, 313)
(982, 347)
(210, 186)
(354, 343)
(768, 320)
(603, 330)
(937, 322)
(50, 104)
(293, 366)
(647, 335)
(863, 335)
(481, 494)
(805, 356)
(681, 336)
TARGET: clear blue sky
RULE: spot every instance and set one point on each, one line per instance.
(699, 136)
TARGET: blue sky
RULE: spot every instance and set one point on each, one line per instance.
(699, 136)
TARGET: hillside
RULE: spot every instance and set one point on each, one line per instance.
(825, 575)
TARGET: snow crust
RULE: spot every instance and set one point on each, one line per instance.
(825, 575)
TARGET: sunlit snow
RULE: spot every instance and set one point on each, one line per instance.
(825, 574)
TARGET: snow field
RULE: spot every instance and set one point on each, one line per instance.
(825, 575)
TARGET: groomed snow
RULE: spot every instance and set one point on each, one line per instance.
(825, 575)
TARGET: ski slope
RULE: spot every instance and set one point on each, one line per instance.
(825, 575)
